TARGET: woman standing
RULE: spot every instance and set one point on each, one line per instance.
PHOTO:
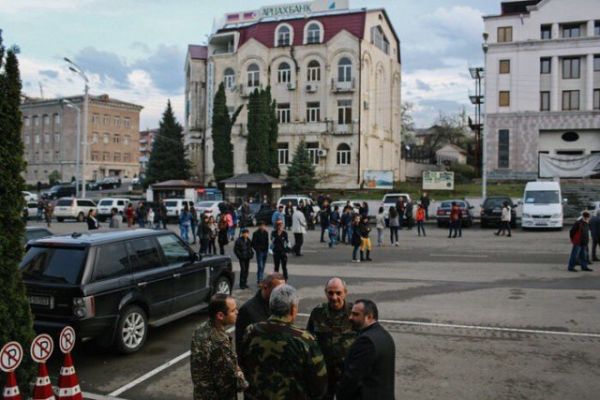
(365, 245)
(380, 225)
(185, 221)
(280, 243)
(129, 213)
(355, 238)
(223, 237)
(92, 222)
(394, 225)
(421, 215)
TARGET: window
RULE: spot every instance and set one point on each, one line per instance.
(105, 138)
(283, 36)
(46, 138)
(173, 249)
(546, 32)
(313, 33)
(117, 121)
(345, 70)
(313, 152)
(145, 254)
(379, 39)
(26, 121)
(106, 120)
(127, 123)
(545, 65)
(56, 119)
(505, 66)
(284, 73)
(56, 138)
(95, 118)
(596, 99)
(596, 28)
(571, 68)
(571, 30)
(253, 75)
(544, 101)
(283, 153)
(57, 156)
(344, 112)
(106, 156)
(26, 140)
(570, 100)
(95, 137)
(36, 120)
(46, 120)
(313, 112)
(505, 34)
(313, 72)
(37, 139)
(126, 139)
(117, 157)
(343, 154)
(597, 62)
(127, 157)
(95, 156)
(229, 78)
(283, 113)
(504, 98)
(503, 148)
(47, 156)
(116, 139)
(111, 262)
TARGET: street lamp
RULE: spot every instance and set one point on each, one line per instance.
(79, 71)
(70, 104)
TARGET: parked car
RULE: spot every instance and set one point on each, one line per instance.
(112, 286)
(109, 182)
(107, 204)
(31, 208)
(542, 205)
(295, 200)
(342, 203)
(443, 212)
(28, 196)
(390, 199)
(58, 191)
(174, 207)
(210, 208)
(258, 213)
(35, 233)
(491, 211)
(71, 208)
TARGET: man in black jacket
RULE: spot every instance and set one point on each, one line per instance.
(260, 244)
(369, 367)
(244, 253)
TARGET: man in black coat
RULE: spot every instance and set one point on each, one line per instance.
(369, 367)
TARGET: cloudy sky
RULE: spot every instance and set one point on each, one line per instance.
(135, 49)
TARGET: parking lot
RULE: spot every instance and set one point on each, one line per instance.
(473, 318)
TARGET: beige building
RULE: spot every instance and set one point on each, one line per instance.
(147, 139)
(335, 75)
(50, 138)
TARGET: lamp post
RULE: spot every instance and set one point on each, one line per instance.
(477, 73)
(79, 71)
(77, 151)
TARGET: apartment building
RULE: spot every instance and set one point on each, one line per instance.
(542, 88)
(147, 138)
(334, 73)
(50, 138)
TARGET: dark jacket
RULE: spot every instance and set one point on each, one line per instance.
(595, 227)
(369, 368)
(243, 248)
(280, 242)
(356, 237)
(92, 223)
(580, 233)
(260, 240)
(254, 310)
(324, 217)
(364, 230)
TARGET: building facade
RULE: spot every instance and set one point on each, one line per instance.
(542, 84)
(147, 138)
(335, 75)
(50, 138)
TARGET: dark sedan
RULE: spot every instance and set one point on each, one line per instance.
(258, 213)
(443, 212)
(491, 211)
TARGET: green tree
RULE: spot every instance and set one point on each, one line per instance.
(257, 143)
(54, 177)
(167, 159)
(273, 133)
(16, 322)
(221, 133)
(301, 172)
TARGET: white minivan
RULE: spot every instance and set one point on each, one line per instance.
(542, 205)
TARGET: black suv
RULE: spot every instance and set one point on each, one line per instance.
(258, 213)
(491, 211)
(58, 191)
(113, 285)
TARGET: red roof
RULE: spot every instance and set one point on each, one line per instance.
(198, 52)
(264, 32)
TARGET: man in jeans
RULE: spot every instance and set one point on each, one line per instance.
(260, 244)
(580, 238)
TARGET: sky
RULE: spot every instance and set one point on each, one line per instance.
(134, 50)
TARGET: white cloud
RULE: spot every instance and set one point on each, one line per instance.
(16, 6)
(461, 21)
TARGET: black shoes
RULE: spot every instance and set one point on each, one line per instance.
(587, 269)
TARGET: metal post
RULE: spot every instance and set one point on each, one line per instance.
(85, 138)
(482, 134)
(77, 153)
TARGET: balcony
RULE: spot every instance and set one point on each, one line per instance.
(343, 87)
(143, 149)
(300, 128)
(344, 129)
(246, 91)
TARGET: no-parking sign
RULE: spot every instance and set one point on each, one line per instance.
(11, 356)
(67, 339)
(42, 348)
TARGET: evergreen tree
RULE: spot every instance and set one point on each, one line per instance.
(167, 159)
(221, 133)
(273, 133)
(257, 154)
(16, 322)
(301, 172)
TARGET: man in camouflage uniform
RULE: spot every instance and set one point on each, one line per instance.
(215, 371)
(330, 324)
(283, 362)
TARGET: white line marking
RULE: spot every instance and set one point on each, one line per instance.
(459, 255)
(156, 371)
(94, 396)
(483, 328)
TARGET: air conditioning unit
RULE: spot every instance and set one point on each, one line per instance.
(311, 88)
(291, 86)
(322, 152)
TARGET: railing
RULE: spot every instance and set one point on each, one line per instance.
(343, 86)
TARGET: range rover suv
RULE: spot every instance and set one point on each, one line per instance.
(112, 286)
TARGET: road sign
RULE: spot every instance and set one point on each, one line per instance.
(42, 348)
(67, 339)
(11, 356)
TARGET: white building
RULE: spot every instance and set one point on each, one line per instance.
(542, 84)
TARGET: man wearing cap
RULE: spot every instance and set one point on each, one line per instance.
(278, 215)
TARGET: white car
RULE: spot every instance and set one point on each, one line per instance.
(342, 203)
(71, 208)
(174, 206)
(389, 200)
(295, 200)
(30, 196)
(542, 205)
(210, 208)
(32, 209)
(107, 204)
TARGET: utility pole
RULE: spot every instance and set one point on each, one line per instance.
(477, 73)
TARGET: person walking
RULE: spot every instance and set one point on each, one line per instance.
(324, 215)
(140, 214)
(394, 223)
(163, 213)
(356, 239)
(425, 202)
(92, 222)
(129, 214)
(185, 222)
(115, 219)
(242, 249)
(289, 210)
(580, 237)
(370, 364)
(278, 215)
(595, 231)
(213, 232)
(223, 238)
(203, 233)
(193, 222)
(346, 223)
(504, 220)
(151, 216)
(421, 216)
(280, 244)
(48, 210)
(455, 221)
(380, 225)
(260, 244)
(365, 245)
(299, 230)
(332, 232)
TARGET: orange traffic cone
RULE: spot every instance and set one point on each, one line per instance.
(68, 384)
(43, 387)
(11, 389)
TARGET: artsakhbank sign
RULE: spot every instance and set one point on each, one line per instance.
(286, 10)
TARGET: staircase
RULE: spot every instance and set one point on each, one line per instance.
(579, 193)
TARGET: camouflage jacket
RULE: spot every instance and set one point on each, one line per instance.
(215, 372)
(282, 362)
(335, 335)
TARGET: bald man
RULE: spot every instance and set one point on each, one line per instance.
(330, 324)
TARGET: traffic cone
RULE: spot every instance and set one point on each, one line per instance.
(43, 386)
(68, 384)
(11, 389)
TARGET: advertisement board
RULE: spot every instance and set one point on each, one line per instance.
(378, 179)
(438, 180)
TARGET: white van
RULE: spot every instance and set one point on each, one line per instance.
(106, 205)
(174, 207)
(71, 208)
(542, 205)
(390, 199)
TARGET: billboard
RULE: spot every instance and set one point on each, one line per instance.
(438, 180)
(378, 179)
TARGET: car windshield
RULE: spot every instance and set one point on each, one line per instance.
(35, 234)
(206, 204)
(105, 203)
(285, 202)
(494, 203)
(64, 203)
(170, 204)
(53, 264)
(391, 199)
(541, 197)
(448, 204)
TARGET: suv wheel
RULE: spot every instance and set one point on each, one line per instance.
(222, 286)
(132, 330)
(80, 217)
(60, 219)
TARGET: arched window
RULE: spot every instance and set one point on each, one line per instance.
(284, 73)
(313, 33)
(345, 70)
(253, 75)
(229, 78)
(343, 154)
(313, 72)
(284, 37)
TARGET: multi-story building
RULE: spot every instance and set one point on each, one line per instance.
(50, 138)
(147, 138)
(334, 73)
(542, 86)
